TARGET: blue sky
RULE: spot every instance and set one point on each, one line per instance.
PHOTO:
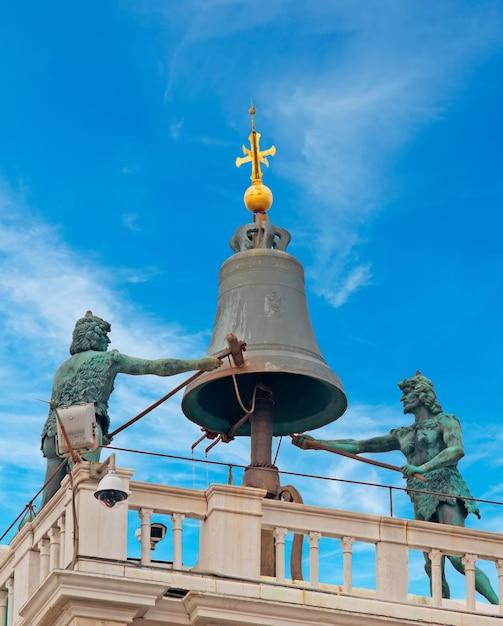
(119, 126)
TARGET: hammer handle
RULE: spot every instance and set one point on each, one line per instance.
(154, 405)
(363, 459)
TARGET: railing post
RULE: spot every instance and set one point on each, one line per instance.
(392, 560)
(469, 565)
(177, 539)
(145, 515)
(314, 563)
(230, 537)
(347, 563)
(436, 576)
(43, 546)
(10, 601)
(102, 531)
(54, 546)
(279, 537)
(499, 567)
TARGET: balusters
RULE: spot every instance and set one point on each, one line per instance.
(347, 563)
(43, 547)
(145, 515)
(10, 601)
(279, 536)
(54, 547)
(314, 564)
(436, 576)
(469, 564)
(177, 539)
(62, 534)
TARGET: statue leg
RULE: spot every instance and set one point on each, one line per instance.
(455, 514)
(53, 460)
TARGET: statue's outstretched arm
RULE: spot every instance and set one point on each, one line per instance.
(162, 367)
(384, 443)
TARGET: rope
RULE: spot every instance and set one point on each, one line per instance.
(29, 506)
(238, 395)
(75, 525)
(244, 417)
(277, 450)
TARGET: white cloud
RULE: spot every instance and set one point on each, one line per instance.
(371, 95)
(130, 221)
(357, 278)
(45, 287)
(175, 130)
(343, 97)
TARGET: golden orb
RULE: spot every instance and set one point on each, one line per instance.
(258, 198)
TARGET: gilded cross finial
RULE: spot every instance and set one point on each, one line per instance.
(258, 197)
(254, 155)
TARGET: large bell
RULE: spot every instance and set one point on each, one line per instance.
(262, 300)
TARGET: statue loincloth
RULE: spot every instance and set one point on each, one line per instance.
(446, 480)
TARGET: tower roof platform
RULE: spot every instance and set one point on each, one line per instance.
(72, 565)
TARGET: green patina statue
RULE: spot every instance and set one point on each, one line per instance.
(432, 446)
(88, 377)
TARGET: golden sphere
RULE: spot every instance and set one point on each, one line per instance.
(258, 198)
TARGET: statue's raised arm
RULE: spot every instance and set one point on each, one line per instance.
(88, 377)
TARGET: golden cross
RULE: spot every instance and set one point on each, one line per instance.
(255, 156)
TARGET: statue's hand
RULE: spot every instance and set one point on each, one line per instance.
(409, 470)
(303, 441)
(209, 363)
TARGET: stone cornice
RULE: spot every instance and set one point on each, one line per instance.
(63, 587)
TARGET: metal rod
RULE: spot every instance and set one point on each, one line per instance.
(153, 406)
(362, 459)
(235, 350)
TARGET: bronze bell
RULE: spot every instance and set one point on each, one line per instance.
(262, 300)
(284, 385)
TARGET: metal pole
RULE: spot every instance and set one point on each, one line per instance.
(261, 472)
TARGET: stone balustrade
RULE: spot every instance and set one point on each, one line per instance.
(94, 543)
(393, 539)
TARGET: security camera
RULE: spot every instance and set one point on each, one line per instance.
(157, 533)
(111, 489)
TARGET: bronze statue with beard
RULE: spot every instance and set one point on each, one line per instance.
(88, 377)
